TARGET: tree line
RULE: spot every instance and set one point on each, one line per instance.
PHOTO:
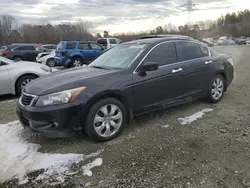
(232, 24)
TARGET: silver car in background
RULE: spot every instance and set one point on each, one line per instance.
(14, 76)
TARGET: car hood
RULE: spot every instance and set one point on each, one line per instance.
(64, 80)
(26, 63)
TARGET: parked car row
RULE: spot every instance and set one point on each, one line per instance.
(127, 80)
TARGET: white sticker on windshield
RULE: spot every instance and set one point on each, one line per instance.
(137, 46)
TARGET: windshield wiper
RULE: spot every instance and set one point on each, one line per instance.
(99, 67)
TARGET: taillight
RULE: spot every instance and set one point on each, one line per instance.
(5, 53)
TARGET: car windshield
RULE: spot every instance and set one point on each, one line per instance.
(118, 57)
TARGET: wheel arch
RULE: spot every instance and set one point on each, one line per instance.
(116, 95)
(19, 77)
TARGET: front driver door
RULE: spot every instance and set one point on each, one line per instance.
(4, 79)
(153, 89)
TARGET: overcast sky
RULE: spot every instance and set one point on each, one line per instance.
(117, 15)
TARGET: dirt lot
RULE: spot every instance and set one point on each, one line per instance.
(157, 151)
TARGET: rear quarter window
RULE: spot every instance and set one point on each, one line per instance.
(71, 45)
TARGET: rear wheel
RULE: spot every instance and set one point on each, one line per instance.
(50, 62)
(77, 62)
(216, 89)
(17, 58)
(22, 82)
(105, 119)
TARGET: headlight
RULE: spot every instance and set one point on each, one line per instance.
(46, 69)
(62, 97)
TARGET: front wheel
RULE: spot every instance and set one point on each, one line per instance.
(50, 62)
(105, 119)
(22, 82)
(216, 89)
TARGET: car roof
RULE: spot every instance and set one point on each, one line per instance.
(78, 41)
(156, 40)
(166, 36)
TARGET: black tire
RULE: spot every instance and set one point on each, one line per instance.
(20, 82)
(94, 109)
(17, 58)
(50, 62)
(77, 61)
(210, 96)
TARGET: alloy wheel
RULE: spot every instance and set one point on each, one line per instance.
(51, 63)
(77, 63)
(108, 120)
(217, 88)
(25, 82)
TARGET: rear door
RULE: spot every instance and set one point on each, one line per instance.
(194, 66)
(28, 53)
(85, 50)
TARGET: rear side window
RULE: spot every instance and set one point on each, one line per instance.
(188, 51)
(112, 41)
(71, 45)
(204, 51)
(163, 54)
(83, 46)
(102, 41)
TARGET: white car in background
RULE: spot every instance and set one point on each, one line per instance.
(109, 42)
(47, 59)
(15, 76)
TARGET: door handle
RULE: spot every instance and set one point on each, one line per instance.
(176, 70)
(208, 62)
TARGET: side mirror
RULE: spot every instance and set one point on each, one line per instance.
(150, 66)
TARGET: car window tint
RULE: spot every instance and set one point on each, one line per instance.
(163, 54)
(83, 46)
(204, 51)
(112, 41)
(102, 41)
(188, 50)
(95, 46)
(71, 45)
(25, 48)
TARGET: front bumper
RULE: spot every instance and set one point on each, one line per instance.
(52, 121)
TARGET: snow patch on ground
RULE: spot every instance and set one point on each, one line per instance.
(87, 168)
(165, 126)
(18, 158)
(194, 117)
(8, 101)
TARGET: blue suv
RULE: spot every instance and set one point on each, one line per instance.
(77, 53)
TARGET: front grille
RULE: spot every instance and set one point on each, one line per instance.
(26, 99)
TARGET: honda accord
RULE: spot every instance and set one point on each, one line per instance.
(128, 80)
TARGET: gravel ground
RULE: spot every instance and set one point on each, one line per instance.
(157, 151)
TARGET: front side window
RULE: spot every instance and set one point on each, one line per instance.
(163, 54)
(188, 51)
(118, 57)
(71, 45)
(95, 46)
(83, 46)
